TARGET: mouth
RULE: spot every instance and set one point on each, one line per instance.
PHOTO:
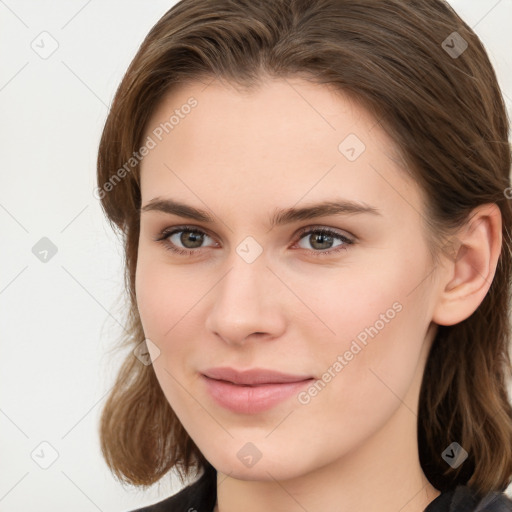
(253, 377)
(253, 398)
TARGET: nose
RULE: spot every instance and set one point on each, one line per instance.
(248, 303)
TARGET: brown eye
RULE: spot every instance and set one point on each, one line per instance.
(190, 239)
(322, 240)
(183, 240)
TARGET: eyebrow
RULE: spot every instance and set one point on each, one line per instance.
(280, 216)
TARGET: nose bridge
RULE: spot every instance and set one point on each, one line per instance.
(248, 271)
(244, 299)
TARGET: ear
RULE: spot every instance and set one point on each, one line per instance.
(471, 268)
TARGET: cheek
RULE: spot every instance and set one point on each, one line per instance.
(158, 299)
(169, 304)
(146, 296)
(377, 318)
(163, 305)
(346, 301)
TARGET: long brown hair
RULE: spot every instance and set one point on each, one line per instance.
(426, 77)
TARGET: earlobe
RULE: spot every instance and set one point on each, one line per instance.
(468, 276)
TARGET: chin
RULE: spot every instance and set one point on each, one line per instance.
(266, 469)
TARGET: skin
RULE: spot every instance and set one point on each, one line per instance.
(241, 156)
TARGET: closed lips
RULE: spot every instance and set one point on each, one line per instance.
(253, 377)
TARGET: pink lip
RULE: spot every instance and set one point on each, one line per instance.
(251, 391)
(253, 377)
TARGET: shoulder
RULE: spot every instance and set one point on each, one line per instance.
(464, 499)
(199, 496)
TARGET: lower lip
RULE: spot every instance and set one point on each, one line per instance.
(251, 399)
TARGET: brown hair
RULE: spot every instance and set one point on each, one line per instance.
(446, 114)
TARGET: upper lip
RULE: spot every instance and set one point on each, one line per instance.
(254, 376)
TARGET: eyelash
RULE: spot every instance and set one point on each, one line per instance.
(166, 233)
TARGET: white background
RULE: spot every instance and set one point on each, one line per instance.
(59, 318)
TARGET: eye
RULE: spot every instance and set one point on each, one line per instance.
(192, 238)
(323, 239)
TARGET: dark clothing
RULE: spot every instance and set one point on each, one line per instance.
(464, 499)
(197, 497)
(202, 495)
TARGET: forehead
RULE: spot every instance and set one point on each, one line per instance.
(289, 136)
(281, 114)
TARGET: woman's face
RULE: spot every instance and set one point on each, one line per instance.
(261, 287)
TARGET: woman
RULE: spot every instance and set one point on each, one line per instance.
(312, 198)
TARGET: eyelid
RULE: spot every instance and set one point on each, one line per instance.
(347, 237)
(166, 232)
(320, 227)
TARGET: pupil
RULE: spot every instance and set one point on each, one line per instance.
(326, 240)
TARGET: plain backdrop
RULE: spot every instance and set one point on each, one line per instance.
(60, 317)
